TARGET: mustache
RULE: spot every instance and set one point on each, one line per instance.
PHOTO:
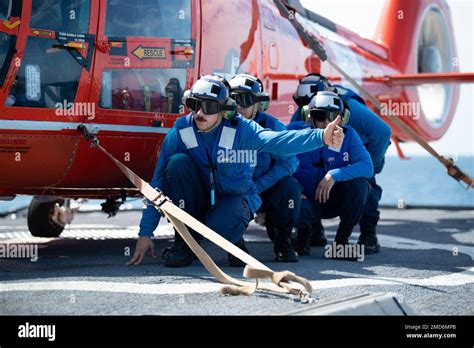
(200, 119)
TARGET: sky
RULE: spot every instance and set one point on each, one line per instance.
(352, 14)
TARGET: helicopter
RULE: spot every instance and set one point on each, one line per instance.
(120, 68)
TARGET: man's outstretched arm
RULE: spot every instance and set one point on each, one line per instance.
(289, 143)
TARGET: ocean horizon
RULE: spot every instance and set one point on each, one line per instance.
(418, 181)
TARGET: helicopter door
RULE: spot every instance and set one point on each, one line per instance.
(146, 56)
(55, 69)
(10, 13)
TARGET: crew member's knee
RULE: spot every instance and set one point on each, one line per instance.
(291, 184)
(230, 219)
(231, 228)
(359, 189)
(307, 214)
(375, 191)
(289, 187)
(179, 164)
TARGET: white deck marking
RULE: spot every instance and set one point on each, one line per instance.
(83, 231)
(450, 279)
(453, 279)
(116, 287)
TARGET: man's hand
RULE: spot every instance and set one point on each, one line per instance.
(333, 134)
(324, 189)
(143, 245)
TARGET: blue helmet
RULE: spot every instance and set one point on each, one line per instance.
(246, 83)
(327, 101)
(325, 106)
(211, 94)
(211, 87)
(308, 87)
(247, 90)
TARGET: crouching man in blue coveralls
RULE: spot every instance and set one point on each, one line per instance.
(334, 179)
(279, 191)
(201, 170)
(375, 135)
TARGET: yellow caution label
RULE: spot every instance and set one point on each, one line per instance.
(76, 45)
(11, 25)
(149, 52)
(42, 33)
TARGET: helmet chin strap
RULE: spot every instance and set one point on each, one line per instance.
(254, 111)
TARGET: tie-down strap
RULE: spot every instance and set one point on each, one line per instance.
(281, 282)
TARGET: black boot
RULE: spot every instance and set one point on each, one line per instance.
(303, 240)
(283, 249)
(234, 261)
(341, 242)
(179, 255)
(318, 239)
(368, 239)
(342, 235)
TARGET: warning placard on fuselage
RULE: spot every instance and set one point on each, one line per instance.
(149, 52)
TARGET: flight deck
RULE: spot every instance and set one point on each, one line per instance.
(426, 261)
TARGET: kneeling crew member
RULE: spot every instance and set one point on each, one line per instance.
(334, 180)
(279, 191)
(195, 171)
(375, 135)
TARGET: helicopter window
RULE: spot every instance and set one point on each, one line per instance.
(151, 90)
(7, 43)
(70, 16)
(4, 47)
(149, 18)
(47, 76)
(5, 9)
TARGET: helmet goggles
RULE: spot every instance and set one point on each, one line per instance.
(247, 99)
(208, 106)
(318, 115)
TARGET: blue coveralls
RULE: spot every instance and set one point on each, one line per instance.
(279, 190)
(349, 167)
(375, 135)
(192, 164)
